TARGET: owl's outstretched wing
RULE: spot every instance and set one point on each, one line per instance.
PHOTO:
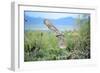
(50, 26)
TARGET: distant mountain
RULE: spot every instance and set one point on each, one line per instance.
(64, 21)
(33, 20)
(61, 21)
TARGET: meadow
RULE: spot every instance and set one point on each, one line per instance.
(43, 45)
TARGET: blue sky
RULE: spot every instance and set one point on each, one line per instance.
(50, 15)
(63, 21)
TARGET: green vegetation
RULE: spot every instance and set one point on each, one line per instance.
(42, 45)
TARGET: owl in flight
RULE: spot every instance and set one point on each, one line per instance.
(58, 34)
